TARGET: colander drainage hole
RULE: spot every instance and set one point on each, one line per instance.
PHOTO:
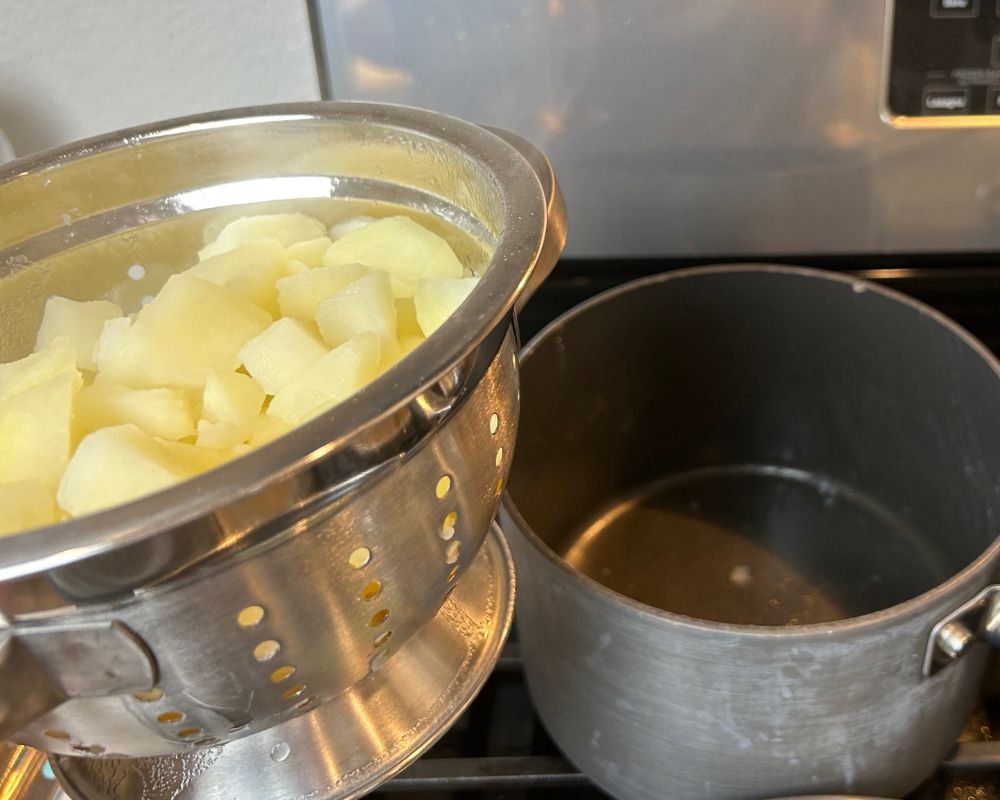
(382, 638)
(151, 696)
(282, 674)
(443, 486)
(494, 423)
(170, 717)
(453, 573)
(448, 526)
(187, 733)
(293, 691)
(372, 590)
(452, 552)
(266, 650)
(359, 558)
(250, 616)
(280, 751)
(379, 617)
(499, 458)
(57, 734)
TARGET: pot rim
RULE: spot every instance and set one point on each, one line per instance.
(970, 574)
(522, 230)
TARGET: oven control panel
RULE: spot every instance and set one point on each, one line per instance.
(942, 63)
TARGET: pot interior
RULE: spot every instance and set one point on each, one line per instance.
(759, 446)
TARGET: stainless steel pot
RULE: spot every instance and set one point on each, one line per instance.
(230, 603)
(754, 514)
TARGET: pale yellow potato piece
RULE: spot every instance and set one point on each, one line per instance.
(249, 270)
(233, 398)
(80, 323)
(299, 295)
(295, 268)
(114, 465)
(372, 289)
(280, 353)
(336, 376)
(403, 347)
(221, 435)
(191, 329)
(111, 339)
(163, 412)
(24, 505)
(59, 358)
(406, 250)
(406, 318)
(436, 299)
(341, 229)
(267, 429)
(36, 430)
(311, 251)
(407, 344)
(286, 228)
(363, 305)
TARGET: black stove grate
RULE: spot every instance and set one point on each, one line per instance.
(498, 750)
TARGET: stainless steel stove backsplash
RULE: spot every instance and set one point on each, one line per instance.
(688, 128)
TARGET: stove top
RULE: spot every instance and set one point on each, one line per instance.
(499, 750)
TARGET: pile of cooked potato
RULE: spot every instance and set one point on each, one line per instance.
(279, 320)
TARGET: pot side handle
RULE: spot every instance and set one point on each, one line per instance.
(978, 620)
(555, 212)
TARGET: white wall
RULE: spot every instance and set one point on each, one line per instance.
(69, 69)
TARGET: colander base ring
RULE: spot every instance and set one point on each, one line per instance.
(347, 746)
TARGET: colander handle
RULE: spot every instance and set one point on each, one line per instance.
(41, 666)
(555, 212)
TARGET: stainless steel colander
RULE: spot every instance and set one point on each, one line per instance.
(267, 587)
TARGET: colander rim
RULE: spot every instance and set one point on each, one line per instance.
(488, 307)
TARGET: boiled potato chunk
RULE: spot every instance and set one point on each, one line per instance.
(278, 322)
(233, 398)
(163, 412)
(311, 251)
(191, 329)
(407, 344)
(80, 323)
(25, 504)
(296, 267)
(286, 228)
(58, 358)
(221, 435)
(115, 465)
(280, 353)
(35, 430)
(299, 295)
(267, 429)
(346, 226)
(403, 248)
(336, 376)
(435, 300)
(249, 271)
(363, 305)
(111, 339)
(406, 318)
